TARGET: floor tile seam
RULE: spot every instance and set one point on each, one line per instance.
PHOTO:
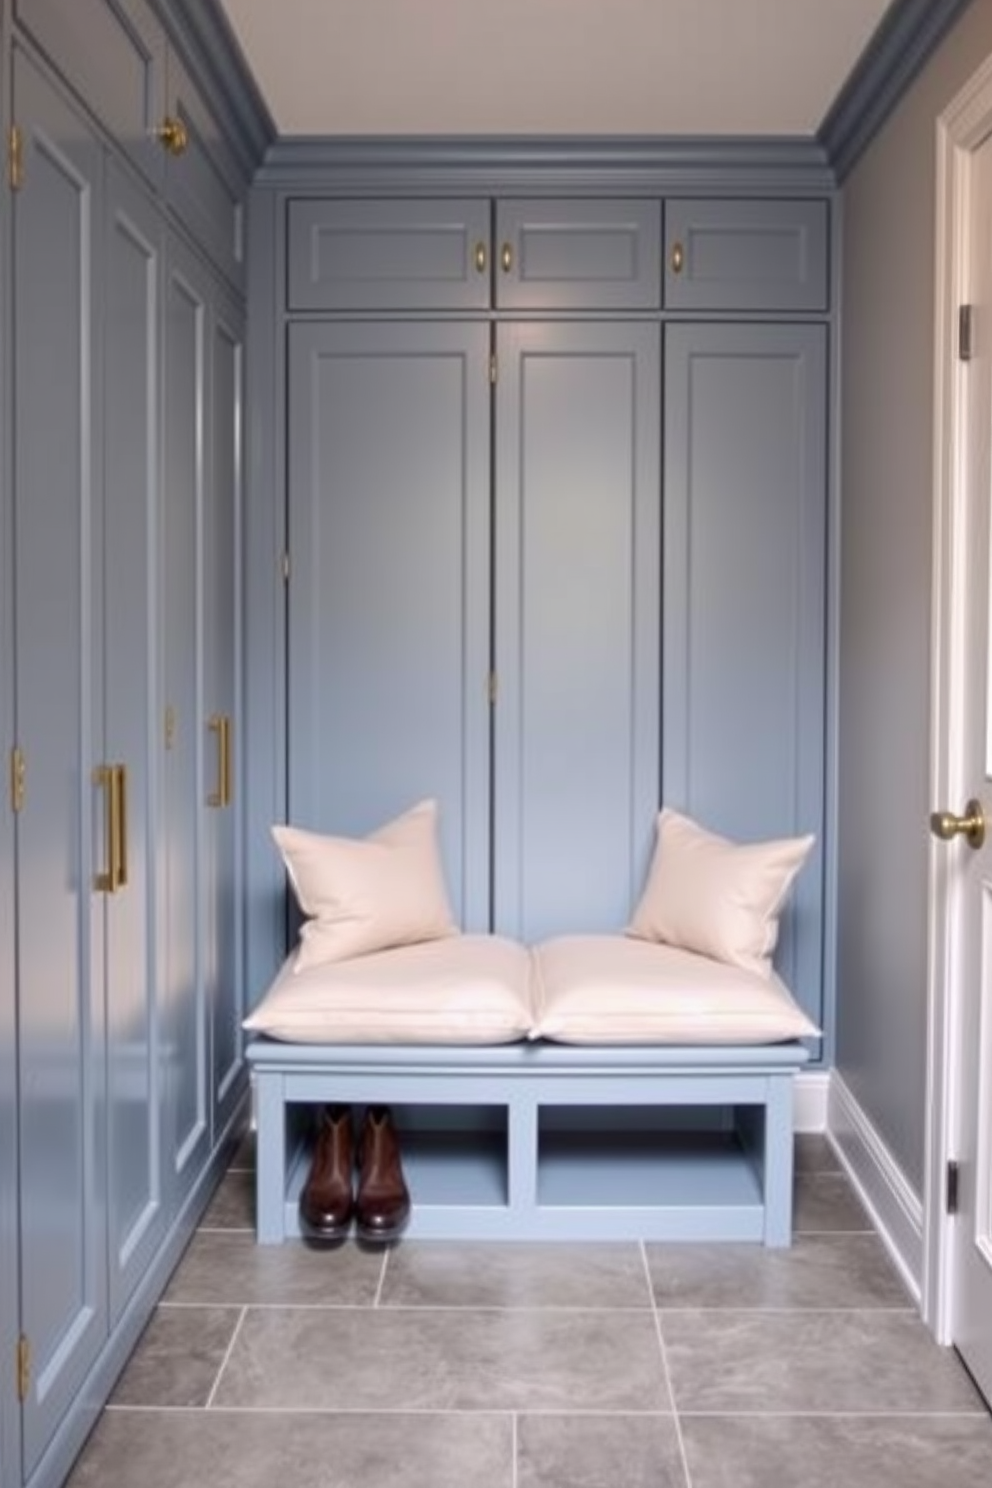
(224, 1362)
(669, 1386)
(978, 1414)
(788, 1310)
(501, 1412)
(396, 1309)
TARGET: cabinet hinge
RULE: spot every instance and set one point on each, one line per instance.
(23, 1368)
(494, 369)
(284, 567)
(492, 687)
(170, 726)
(965, 332)
(953, 1182)
(15, 158)
(18, 779)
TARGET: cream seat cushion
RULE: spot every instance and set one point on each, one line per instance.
(472, 989)
(719, 898)
(611, 989)
(367, 893)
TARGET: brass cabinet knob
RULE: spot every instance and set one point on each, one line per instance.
(480, 257)
(971, 826)
(173, 135)
(506, 258)
(678, 258)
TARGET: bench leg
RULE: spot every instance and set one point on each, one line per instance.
(270, 1175)
(522, 1155)
(779, 1139)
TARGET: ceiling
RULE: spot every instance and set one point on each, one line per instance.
(551, 67)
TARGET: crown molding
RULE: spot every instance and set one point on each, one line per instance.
(906, 37)
(606, 165)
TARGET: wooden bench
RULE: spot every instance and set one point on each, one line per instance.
(542, 1141)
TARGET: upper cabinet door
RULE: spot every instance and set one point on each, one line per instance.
(388, 255)
(576, 254)
(203, 184)
(114, 56)
(746, 255)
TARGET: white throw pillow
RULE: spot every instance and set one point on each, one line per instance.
(608, 989)
(718, 898)
(473, 989)
(367, 894)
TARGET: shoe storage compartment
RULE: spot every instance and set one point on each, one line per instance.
(541, 1141)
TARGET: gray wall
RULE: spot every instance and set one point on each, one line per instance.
(886, 547)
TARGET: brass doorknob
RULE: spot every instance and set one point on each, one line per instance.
(172, 135)
(945, 825)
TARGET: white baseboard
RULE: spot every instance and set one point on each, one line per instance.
(809, 1100)
(896, 1209)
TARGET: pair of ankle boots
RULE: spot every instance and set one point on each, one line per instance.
(379, 1203)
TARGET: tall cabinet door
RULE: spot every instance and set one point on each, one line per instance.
(182, 754)
(745, 538)
(222, 712)
(389, 588)
(577, 560)
(60, 843)
(136, 1213)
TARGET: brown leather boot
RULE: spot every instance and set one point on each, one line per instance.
(326, 1202)
(382, 1205)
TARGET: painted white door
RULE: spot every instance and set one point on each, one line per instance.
(970, 865)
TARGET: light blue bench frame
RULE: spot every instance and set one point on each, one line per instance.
(732, 1181)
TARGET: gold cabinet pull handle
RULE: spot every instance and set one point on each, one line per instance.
(105, 777)
(215, 723)
(173, 135)
(971, 826)
(225, 760)
(481, 258)
(120, 775)
(678, 258)
(506, 258)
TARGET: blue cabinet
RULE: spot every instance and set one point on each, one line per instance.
(121, 1071)
(576, 254)
(136, 1210)
(492, 645)
(388, 255)
(598, 590)
(60, 832)
(389, 543)
(745, 600)
(747, 255)
(577, 503)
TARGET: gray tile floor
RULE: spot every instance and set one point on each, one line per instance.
(541, 1366)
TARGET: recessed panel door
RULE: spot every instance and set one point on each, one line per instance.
(184, 1018)
(220, 724)
(577, 626)
(969, 851)
(389, 586)
(61, 843)
(744, 604)
(136, 1214)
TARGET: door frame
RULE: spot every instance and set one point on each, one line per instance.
(961, 127)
